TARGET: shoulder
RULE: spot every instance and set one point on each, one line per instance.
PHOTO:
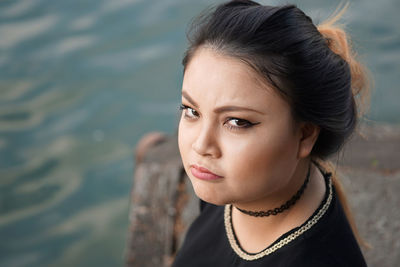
(203, 204)
(331, 242)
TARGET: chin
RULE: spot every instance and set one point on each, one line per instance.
(208, 195)
(213, 201)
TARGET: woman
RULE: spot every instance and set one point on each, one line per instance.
(266, 97)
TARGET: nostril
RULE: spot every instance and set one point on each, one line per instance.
(209, 148)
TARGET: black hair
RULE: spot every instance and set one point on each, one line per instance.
(282, 44)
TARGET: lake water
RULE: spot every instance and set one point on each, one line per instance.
(81, 81)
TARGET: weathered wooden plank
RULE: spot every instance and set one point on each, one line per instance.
(162, 206)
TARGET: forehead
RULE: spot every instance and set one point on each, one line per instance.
(220, 79)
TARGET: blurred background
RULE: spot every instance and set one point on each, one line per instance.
(82, 80)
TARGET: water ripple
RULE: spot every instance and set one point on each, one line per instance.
(14, 89)
(19, 120)
(83, 23)
(36, 161)
(112, 6)
(68, 181)
(18, 32)
(99, 220)
(121, 60)
(73, 43)
(29, 259)
(18, 8)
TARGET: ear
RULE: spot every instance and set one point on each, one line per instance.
(308, 136)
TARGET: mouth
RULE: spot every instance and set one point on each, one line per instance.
(203, 173)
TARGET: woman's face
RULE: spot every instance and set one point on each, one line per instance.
(237, 128)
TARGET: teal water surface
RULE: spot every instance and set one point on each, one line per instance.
(81, 81)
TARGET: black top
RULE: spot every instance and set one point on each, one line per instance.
(325, 239)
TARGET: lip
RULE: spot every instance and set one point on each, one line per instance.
(203, 173)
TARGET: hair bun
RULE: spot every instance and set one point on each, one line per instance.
(339, 42)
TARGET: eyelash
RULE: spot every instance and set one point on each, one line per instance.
(230, 127)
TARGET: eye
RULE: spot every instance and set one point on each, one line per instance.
(189, 112)
(231, 123)
(237, 124)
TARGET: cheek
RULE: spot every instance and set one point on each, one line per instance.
(182, 140)
(265, 159)
(185, 139)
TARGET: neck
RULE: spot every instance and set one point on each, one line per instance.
(280, 196)
(283, 207)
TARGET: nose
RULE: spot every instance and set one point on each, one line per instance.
(206, 142)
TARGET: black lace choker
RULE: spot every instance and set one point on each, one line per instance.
(283, 207)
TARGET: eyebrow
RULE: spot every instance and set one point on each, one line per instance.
(220, 109)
